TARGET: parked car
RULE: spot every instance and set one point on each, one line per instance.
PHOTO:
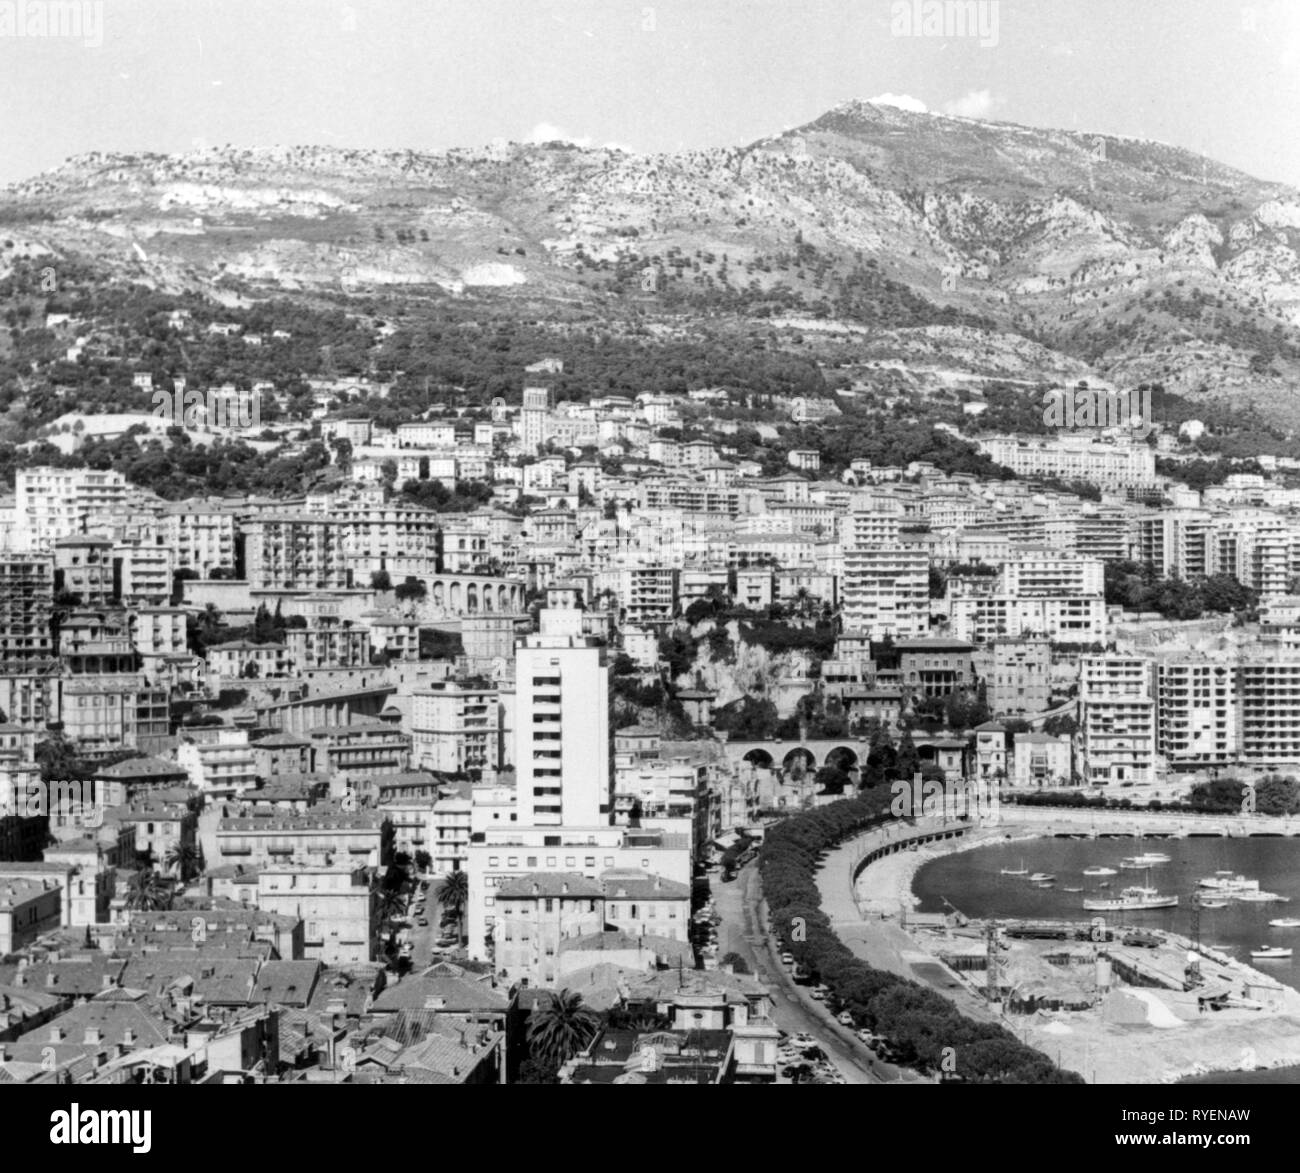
(423, 922)
(845, 1019)
(787, 958)
(817, 995)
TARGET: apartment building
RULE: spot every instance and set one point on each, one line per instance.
(53, 503)
(1071, 619)
(1116, 720)
(1198, 712)
(562, 748)
(1109, 464)
(1018, 675)
(338, 904)
(456, 728)
(357, 838)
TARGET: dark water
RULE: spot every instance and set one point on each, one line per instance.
(970, 880)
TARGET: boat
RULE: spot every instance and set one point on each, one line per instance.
(1145, 860)
(1285, 922)
(1131, 900)
(1020, 871)
(1071, 889)
(1257, 897)
(1100, 871)
(1041, 878)
(1270, 953)
(1227, 882)
(1213, 903)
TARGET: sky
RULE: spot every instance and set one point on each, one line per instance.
(1220, 77)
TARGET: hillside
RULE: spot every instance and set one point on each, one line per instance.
(870, 239)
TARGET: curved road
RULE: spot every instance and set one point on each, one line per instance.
(793, 1011)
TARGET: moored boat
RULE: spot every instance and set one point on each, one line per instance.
(1285, 922)
(1131, 900)
(1041, 878)
(1227, 882)
(1256, 897)
(1146, 860)
(1098, 870)
(1270, 953)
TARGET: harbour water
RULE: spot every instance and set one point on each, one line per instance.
(972, 882)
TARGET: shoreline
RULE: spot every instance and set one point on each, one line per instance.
(1101, 1051)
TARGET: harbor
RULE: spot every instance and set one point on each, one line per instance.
(1134, 998)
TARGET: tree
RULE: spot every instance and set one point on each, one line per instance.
(453, 895)
(559, 1028)
(908, 761)
(412, 588)
(737, 963)
(423, 860)
(147, 891)
(831, 780)
(380, 580)
(182, 858)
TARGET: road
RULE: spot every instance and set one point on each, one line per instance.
(793, 1011)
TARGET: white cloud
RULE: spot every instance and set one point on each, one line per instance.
(976, 104)
(901, 101)
(548, 132)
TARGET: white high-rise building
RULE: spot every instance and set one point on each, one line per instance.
(562, 748)
(886, 584)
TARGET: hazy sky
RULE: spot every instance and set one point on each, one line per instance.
(1220, 77)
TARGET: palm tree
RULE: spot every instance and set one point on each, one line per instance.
(560, 1028)
(182, 858)
(453, 895)
(147, 891)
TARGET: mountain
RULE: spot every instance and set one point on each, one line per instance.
(947, 250)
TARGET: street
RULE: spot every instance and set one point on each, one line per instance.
(793, 1011)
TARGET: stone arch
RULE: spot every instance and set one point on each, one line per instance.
(503, 598)
(760, 758)
(799, 754)
(471, 598)
(439, 593)
(454, 597)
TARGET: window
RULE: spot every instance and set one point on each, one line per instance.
(550, 861)
(590, 861)
(570, 861)
(532, 861)
(550, 904)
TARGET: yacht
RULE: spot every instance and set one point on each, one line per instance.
(1285, 922)
(1213, 903)
(1270, 953)
(1020, 871)
(1071, 889)
(1145, 860)
(1099, 871)
(1227, 882)
(1042, 878)
(1131, 899)
(1257, 897)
